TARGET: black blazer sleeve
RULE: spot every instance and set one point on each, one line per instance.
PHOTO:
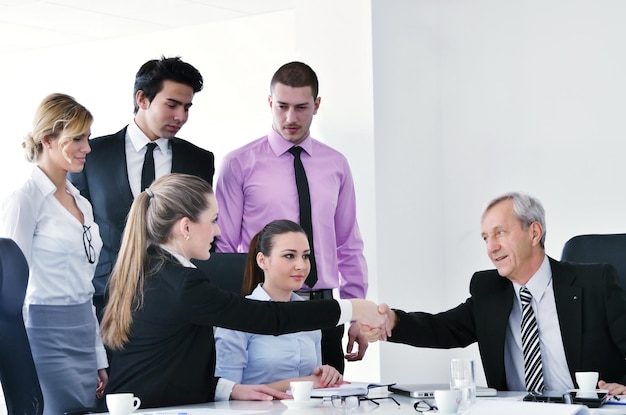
(591, 308)
(170, 357)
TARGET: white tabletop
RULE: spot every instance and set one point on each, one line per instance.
(386, 407)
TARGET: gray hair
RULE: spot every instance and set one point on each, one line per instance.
(526, 208)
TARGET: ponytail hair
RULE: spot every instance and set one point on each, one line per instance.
(151, 219)
(263, 242)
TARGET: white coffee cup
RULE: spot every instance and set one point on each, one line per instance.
(301, 390)
(587, 381)
(448, 401)
(122, 403)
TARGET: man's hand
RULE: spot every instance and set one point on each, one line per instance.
(373, 334)
(613, 388)
(369, 314)
(354, 334)
(256, 393)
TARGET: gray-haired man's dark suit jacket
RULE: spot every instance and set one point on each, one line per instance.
(591, 308)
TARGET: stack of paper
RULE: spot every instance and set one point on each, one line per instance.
(346, 389)
(508, 407)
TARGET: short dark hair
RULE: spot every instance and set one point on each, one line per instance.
(151, 75)
(296, 75)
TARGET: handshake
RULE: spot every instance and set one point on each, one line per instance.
(375, 321)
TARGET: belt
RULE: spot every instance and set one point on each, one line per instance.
(316, 294)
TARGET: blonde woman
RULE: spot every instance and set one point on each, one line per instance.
(54, 226)
(161, 311)
(277, 265)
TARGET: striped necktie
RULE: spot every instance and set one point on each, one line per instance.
(533, 370)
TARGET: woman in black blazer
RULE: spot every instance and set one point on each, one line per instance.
(161, 310)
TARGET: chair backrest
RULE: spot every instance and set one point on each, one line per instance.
(18, 375)
(598, 249)
(225, 270)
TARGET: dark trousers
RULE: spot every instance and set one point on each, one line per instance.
(332, 349)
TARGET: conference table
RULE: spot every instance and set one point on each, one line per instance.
(385, 407)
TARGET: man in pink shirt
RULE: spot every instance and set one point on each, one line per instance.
(257, 185)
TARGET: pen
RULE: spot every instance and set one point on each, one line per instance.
(616, 400)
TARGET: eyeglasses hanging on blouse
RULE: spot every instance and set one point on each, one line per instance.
(89, 249)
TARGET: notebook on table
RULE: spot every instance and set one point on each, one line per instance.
(347, 389)
(427, 390)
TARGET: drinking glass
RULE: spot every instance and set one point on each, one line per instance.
(462, 378)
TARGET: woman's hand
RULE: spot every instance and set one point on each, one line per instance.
(372, 333)
(103, 379)
(613, 388)
(372, 316)
(256, 393)
(326, 377)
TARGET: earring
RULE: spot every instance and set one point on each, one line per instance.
(187, 238)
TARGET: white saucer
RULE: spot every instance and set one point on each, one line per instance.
(290, 403)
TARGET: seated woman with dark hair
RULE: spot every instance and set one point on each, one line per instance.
(277, 265)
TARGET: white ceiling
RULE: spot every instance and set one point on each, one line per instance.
(34, 24)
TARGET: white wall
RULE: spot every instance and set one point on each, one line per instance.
(474, 99)
(409, 180)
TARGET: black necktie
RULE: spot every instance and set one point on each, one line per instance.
(304, 199)
(147, 171)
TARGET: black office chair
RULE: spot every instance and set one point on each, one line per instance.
(224, 270)
(20, 383)
(598, 249)
(18, 375)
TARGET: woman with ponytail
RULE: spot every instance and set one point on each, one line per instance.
(161, 311)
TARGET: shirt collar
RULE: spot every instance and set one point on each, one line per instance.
(184, 261)
(280, 146)
(260, 294)
(139, 139)
(538, 283)
(45, 185)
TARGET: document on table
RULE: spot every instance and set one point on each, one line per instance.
(347, 389)
(509, 407)
(199, 411)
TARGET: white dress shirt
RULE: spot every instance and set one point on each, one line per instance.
(51, 239)
(556, 374)
(136, 142)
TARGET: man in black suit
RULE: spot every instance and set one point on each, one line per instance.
(112, 177)
(580, 310)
